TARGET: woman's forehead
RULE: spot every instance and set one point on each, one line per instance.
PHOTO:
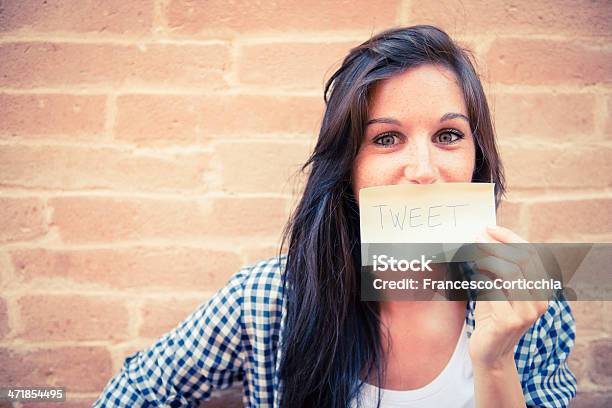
(423, 90)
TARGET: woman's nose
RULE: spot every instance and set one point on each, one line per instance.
(423, 169)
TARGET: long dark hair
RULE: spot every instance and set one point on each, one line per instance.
(331, 338)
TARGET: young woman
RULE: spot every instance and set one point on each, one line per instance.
(406, 106)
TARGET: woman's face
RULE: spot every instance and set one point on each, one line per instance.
(417, 132)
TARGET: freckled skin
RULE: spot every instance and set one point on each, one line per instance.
(418, 150)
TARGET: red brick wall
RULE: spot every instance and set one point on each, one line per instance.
(147, 149)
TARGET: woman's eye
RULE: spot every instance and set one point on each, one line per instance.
(385, 140)
(449, 137)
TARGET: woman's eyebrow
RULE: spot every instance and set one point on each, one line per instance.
(453, 115)
(446, 116)
(384, 120)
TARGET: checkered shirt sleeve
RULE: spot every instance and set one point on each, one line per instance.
(541, 356)
(183, 367)
(235, 334)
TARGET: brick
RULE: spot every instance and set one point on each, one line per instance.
(578, 360)
(52, 115)
(523, 16)
(261, 114)
(6, 269)
(72, 317)
(21, 218)
(4, 322)
(158, 119)
(608, 122)
(229, 398)
(85, 219)
(291, 65)
(40, 64)
(217, 16)
(260, 252)
(509, 216)
(164, 119)
(278, 171)
(74, 168)
(586, 267)
(71, 402)
(69, 367)
(589, 317)
(556, 166)
(569, 219)
(548, 62)
(592, 399)
(544, 117)
(608, 315)
(139, 268)
(114, 16)
(600, 369)
(122, 351)
(159, 317)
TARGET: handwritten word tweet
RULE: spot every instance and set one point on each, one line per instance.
(406, 217)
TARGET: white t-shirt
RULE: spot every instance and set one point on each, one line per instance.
(453, 387)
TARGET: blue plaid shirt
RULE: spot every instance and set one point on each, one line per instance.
(236, 334)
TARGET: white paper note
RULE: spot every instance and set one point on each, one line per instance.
(426, 213)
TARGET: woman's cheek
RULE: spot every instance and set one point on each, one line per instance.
(365, 173)
(455, 166)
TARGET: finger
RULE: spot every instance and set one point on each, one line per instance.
(504, 235)
(487, 294)
(529, 311)
(517, 255)
(498, 310)
(525, 255)
(485, 238)
(494, 268)
(535, 269)
(528, 260)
